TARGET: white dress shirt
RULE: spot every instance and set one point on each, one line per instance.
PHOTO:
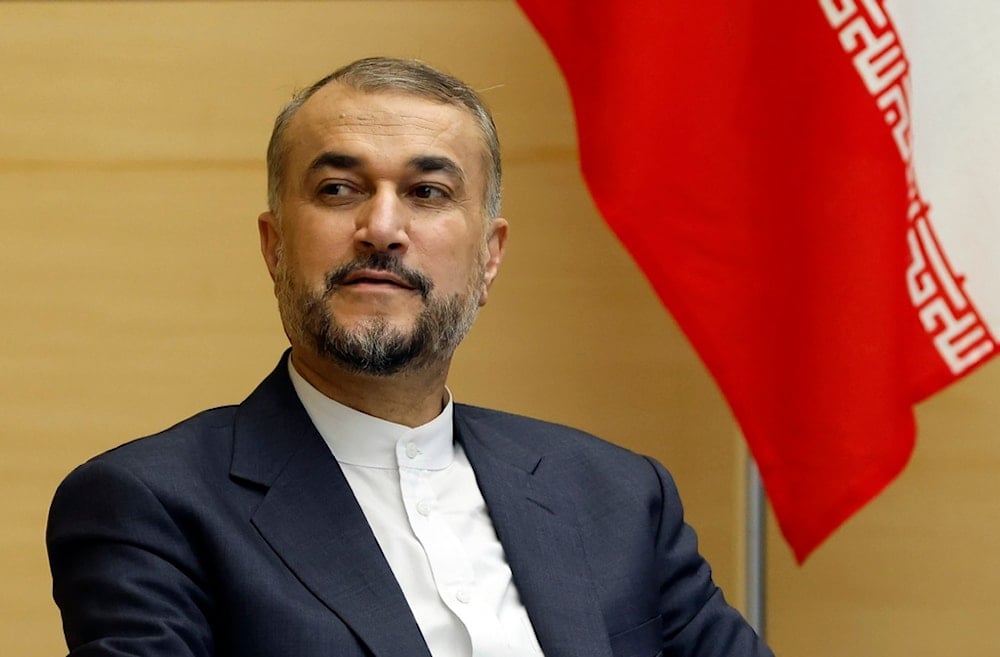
(420, 496)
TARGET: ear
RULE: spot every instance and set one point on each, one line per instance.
(270, 240)
(496, 240)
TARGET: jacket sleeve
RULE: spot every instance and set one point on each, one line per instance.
(124, 576)
(697, 620)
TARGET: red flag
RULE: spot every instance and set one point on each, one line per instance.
(755, 159)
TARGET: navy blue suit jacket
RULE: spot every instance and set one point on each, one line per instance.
(236, 534)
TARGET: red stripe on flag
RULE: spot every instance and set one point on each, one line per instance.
(737, 155)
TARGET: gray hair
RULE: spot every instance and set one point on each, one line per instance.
(408, 76)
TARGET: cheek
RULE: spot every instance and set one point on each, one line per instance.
(463, 278)
(450, 269)
(313, 256)
(451, 251)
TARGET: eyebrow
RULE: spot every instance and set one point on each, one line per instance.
(334, 161)
(421, 163)
(429, 163)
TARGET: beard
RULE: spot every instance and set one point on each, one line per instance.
(374, 346)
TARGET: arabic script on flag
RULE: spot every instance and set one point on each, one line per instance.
(946, 311)
(773, 169)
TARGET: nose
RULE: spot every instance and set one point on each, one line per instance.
(383, 223)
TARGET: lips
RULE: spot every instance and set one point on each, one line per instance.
(378, 269)
(375, 277)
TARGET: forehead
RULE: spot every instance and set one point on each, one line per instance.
(383, 125)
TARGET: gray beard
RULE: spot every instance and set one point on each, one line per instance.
(378, 349)
(374, 347)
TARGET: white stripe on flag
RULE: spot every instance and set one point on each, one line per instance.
(953, 52)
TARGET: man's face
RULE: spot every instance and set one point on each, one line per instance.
(382, 255)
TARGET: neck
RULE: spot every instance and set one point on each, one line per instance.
(410, 398)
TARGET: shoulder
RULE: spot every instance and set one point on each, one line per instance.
(198, 448)
(189, 440)
(535, 433)
(573, 452)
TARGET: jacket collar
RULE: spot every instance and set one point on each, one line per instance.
(536, 524)
(311, 519)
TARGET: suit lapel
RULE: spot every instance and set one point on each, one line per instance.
(311, 519)
(537, 529)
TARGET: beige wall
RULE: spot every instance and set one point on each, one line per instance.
(131, 175)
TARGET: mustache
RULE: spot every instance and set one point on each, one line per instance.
(386, 262)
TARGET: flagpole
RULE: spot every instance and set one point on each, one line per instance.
(755, 548)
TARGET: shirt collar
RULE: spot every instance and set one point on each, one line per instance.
(356, 438)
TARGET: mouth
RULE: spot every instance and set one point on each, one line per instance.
(378, 272)
(375, 277)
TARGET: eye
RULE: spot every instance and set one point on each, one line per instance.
(429, 192)
(336, 189)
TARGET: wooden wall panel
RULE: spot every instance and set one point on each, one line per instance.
(131, 168)
(131, 173)
(915, 573)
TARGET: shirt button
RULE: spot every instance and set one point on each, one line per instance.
(424, 508)
(412, 450)
(463, 596)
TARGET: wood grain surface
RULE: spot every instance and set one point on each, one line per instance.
(132, 138)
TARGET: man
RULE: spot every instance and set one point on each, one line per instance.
(349, 507)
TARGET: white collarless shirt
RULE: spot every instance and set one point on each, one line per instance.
(420, 496)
